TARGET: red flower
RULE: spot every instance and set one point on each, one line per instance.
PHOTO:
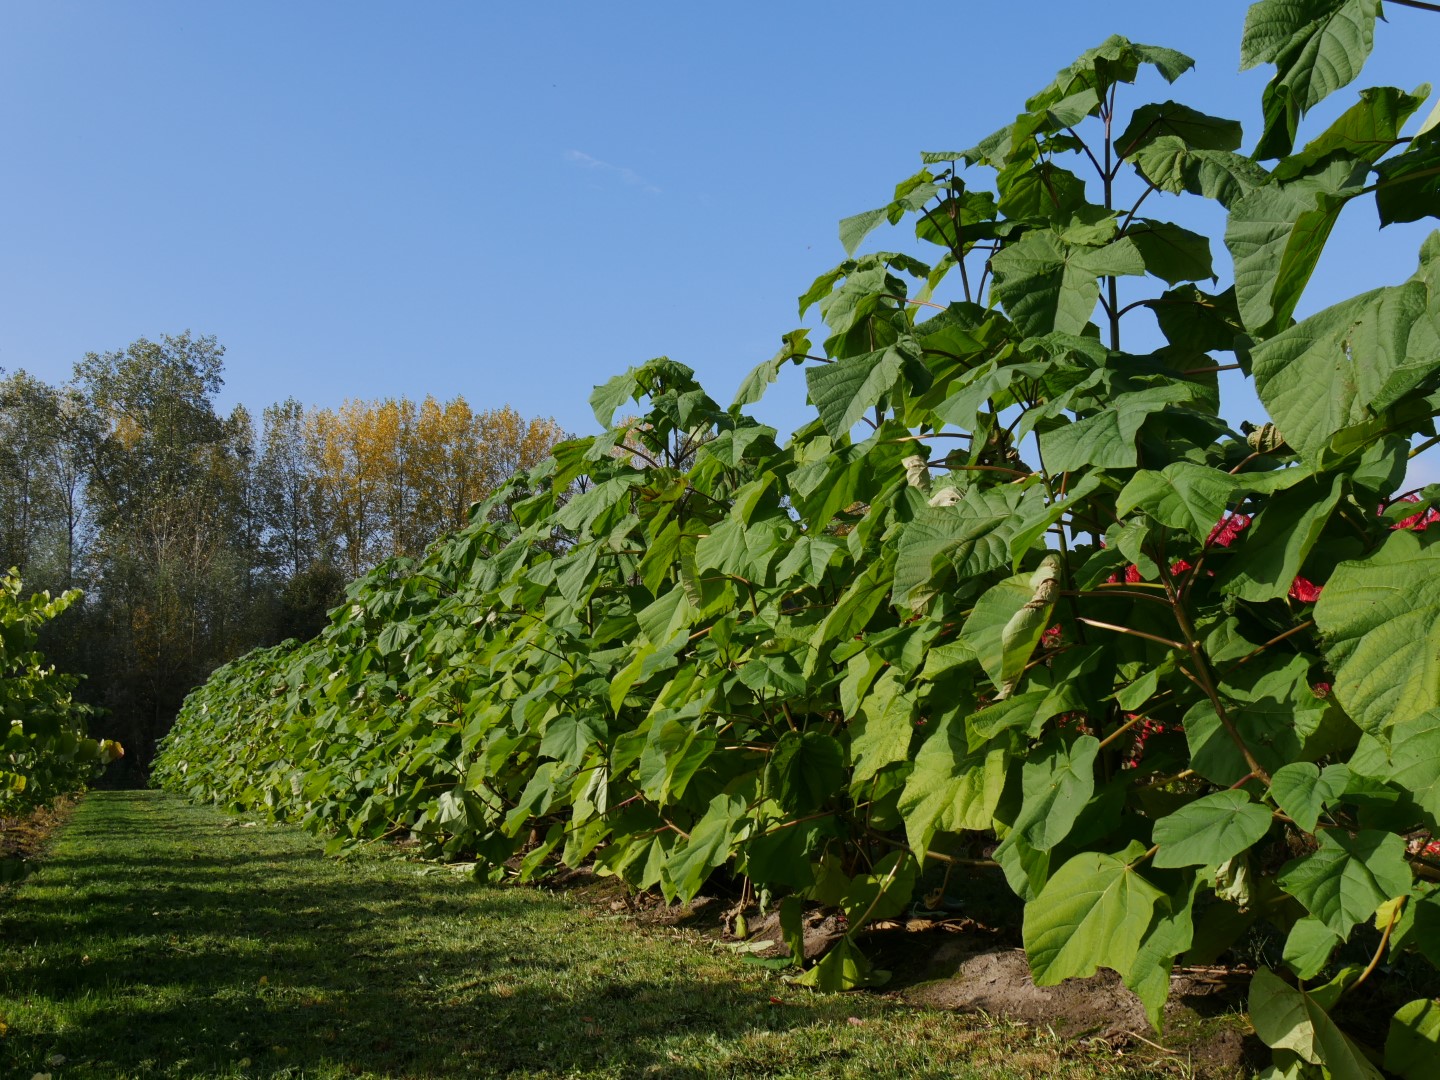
(1051, 638)
(1227, 529)
(1132, 574)
(1305, 590)
(1179, 566)
(1415, 522)
(1321, 689)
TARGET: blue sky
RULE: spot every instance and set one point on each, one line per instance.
(514, 202)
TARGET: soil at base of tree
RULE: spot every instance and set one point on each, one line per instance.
(963, 965)
(26, 836)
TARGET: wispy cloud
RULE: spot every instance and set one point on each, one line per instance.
(628, 177)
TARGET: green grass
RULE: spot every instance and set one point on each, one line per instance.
(161, 939)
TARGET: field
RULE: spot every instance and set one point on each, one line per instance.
(161, 939)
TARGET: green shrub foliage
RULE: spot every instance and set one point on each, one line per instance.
(46, 751)
(1013, 587)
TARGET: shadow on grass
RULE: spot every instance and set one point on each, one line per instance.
(141, 951)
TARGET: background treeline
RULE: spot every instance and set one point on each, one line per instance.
(196, 535)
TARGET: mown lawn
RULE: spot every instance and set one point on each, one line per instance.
(161, 939)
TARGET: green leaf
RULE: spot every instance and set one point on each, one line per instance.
(1173, 166)
(1348, 877)
(805, 771)
(567, 738)
(1106, 440)
(880, 735)
(690, 864)
(1308, 946)
(1055, 787)
(1195, 129)
(1415, 761)
(1367, 130)
(1339, 367)
(1048, 285)
(844, 967)
(842, 391)
(1282, 536)
(795, 345)
(745, 551)
(973, 537)
(1408, 188)
(1317, 46)
(1289, 1019)
(854, 229)
(610, 395)
(671, 614)
(1182, 495)
(808, 559)
(951, 788)
(1171, 253)
(1380, 620)
(1210, 830)
(1276, 234)
(1005, 626)
(1172, 933)
(1413, 1046)
(1302, 790)
(1091, 913)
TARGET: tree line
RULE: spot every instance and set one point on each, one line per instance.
(196, 535)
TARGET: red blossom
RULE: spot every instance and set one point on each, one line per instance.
(1305, 590)
(1178, 567)
(1051, 638)
(1132, 574)
(1227, 529)
(1321, 689)
(1415, 522)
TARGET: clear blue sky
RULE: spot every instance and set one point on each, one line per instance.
(514, 202)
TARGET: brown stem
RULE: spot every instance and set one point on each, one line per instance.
(1134, 633)
(1384, 937)
(1202, 679)
(1306, 625)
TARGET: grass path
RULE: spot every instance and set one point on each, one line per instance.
(161, 939)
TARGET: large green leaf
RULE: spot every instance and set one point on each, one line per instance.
(1171, 933)
(1048, 285)
(1092, 912)
(1005, 626)
(1182, 495)
(708, 847)
(1281, 538)
(1210, 830)
(973, 536)
(951, 788)
(1308, 946)
(1106, 439)
(1195, 129)
(1223, 175)
(1409, 184)
(1413, 1046)
(1289, 1019)
(880, 735)
(1342, 365)
(1348, 876)
(842, 391)
(1367, 130)
(1171, 253)
(1303, 790)
(1317, 46)
(805, 770)
(1415, 761)
(1276, 234)
(1380, 619)
(1055, 788)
